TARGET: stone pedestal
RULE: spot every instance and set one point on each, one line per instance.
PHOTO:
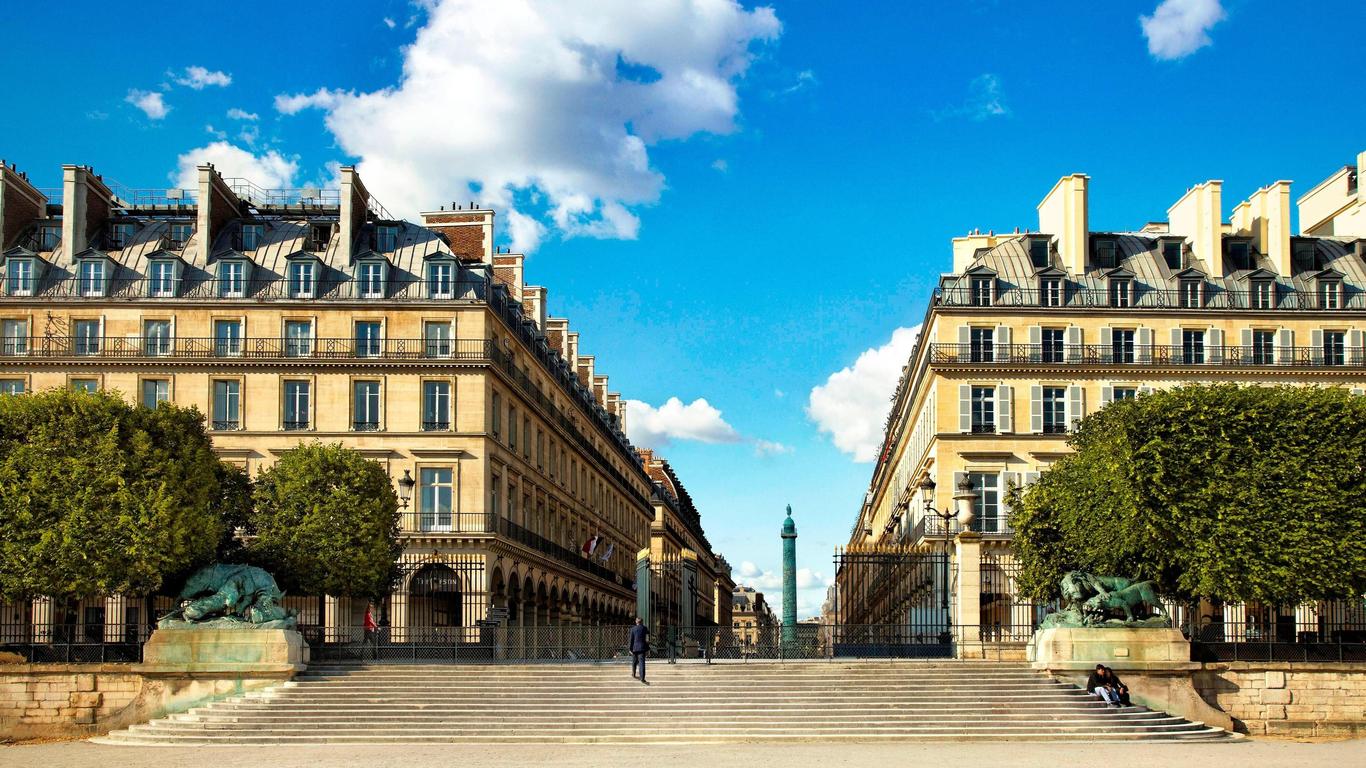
(1154, 663)
(224, 652)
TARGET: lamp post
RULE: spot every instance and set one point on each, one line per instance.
(964, 506)
(405, 488)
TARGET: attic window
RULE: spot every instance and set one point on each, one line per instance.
(1351, 182)
(1304, 256)
(1330, 293)
(19, 277)
(1050, 292)
(48, 237)
(1104, 253)
(981, 291)
(319, 235)
(1263, 294)
(1121, 292)
(1192, 293)
(251, 237)
(1171, 253)
(1038, 252)
(121, 234)
(386, 239)
(180, 233)
(1237, 255)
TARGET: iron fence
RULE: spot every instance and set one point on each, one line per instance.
(1286, 638)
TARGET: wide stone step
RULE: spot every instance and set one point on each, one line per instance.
(718, 723)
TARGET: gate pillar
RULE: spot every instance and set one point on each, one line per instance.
(643, 586)
(968, 639)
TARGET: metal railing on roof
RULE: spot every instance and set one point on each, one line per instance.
(260, 197)
(133, 198)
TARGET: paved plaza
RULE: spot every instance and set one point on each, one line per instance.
(1262, 753)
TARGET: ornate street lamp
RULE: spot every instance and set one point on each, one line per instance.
(963, 509)
(405, 488)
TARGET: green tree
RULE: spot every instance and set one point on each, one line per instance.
(1222, 491)
(325, 522)
(99, 497)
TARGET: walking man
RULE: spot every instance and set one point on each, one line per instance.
(640, 645)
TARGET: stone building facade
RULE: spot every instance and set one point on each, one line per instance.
(288, 316)
(752, 619)
(1030, 331)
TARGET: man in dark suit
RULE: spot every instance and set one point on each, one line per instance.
(640, 645)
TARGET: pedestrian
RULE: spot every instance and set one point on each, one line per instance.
(1121, 690)
(371, 640)
(1099, 683)
(640, 646)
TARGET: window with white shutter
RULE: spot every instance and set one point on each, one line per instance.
(1036, 409)
(1076, 409)
(1004, 416)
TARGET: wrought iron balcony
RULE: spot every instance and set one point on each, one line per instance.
(396, 288)
(1144, 297)
(248, 348)
(1148, 355)
(933, 528)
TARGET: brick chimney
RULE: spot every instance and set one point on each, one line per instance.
(468, 231)
(1198, 217)
(1063, 214)
(585, 370)
(21, 204)
(86, 206)
(507, 269)
(600, 390)
(533, 303)
(1265, 217)
(557, 333)
(218, 207)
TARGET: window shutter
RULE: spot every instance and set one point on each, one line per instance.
(1008, 480)
(1358, 391)
(1107, 395)
(1075, 405)
(1214, 346)
(1144, 340)
(1073, 351)
(1316, 346)
(964, 353)
(1145, 390)
(1036, 409)
(1004, 417)
(1354, 347)
(1002, 341)
(1035, 343)
(1245, 341)
(1106, 350)
(1285, 346)
(1176, 342)
(964, 408)
(1030, 478)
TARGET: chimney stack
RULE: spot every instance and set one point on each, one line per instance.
(355, 209)
(1198, 217)
(507, 269)
(533, 303)
(21, 204)
(1336, 206)
(1063, 214)
(86, 206)
(218, 206)
(1265, 217)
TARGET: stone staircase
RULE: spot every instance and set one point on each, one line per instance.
(870, 701)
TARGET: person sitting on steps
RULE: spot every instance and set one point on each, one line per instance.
(1121, 690)
(1099, 684)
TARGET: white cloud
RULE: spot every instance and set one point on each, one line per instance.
(242, 114)
(699, 420)
(852, 405)
(546, 107)
(811, 587)
(390, 23)
(270, 170)
(984, 100)
(1179, 28)
(150, 102)
(720, 165)
(322, 98)
(199, 78)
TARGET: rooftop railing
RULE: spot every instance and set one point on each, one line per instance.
(1144, 297)
(1139, 355)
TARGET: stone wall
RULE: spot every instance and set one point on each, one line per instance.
(1288, 698)
(51, 701)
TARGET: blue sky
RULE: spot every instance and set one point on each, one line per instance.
(730, 203)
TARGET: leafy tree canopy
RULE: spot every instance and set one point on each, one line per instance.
(99, 497)
(326, 522)
(1222, 491)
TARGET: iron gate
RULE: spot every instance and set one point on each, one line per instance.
(893, 602)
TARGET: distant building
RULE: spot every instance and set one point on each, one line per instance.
(753, 621)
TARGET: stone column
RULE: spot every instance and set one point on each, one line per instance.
(115, 610)
(789, 534)
(643, 586)
(969, 595)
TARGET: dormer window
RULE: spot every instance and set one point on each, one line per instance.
(1050, 292)
(162, 278)
(1262, 294)
(1105, 252)
(19, 277)
(386, 238)
(179, 233)
(370, 279)
(1171, 253)
(92, 277)
(1121, 292)
(440, 280)
(981, 288)
(303, 279)
(1304, 256)
(1192, 293)
(319, 235)
(251, 237)
(1330, 293)
(47, 237)
(121, 234)
(232, 279)
(1038, 252)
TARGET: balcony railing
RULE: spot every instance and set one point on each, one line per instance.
(1143, 297)
(1220, 356)
(932, 527)
(248, 348)
(397, 288)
